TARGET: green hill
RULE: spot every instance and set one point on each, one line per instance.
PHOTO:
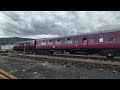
(12, 40)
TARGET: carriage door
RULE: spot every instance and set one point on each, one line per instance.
(117, 41)
(84, 42)
(112, 40)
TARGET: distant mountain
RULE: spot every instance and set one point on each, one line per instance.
(12, 40)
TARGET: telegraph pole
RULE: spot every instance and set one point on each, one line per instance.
(24, 48)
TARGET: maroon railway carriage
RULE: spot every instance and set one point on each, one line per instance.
(27, 46)
(103, 43)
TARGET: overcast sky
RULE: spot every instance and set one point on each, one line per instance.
(45, 24)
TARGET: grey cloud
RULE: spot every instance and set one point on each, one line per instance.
(57, 23)
(13, 15)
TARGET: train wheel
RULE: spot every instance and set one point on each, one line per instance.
(45, 52)
(72, 52)
(28, 52)
(50, 52)
(110, 54)
(36, 52)
(41, 52)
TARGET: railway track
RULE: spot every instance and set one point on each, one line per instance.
(6, 75)
(95, 57)
(77, 60)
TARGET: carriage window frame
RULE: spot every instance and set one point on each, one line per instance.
(50, 42)
(112, 38)
(76, 41)
(21, 44)
(58, 42)
(43, 42)
(84, 40)
(28, 44)
(32, 43)
(100, 38)
(68, 41)
(38, 42)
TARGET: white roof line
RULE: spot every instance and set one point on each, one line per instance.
(105, 31)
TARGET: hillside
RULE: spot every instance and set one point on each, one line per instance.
(12, 40)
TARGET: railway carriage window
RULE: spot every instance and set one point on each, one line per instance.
(27, 44)
(112, 39)
(43, 43)
(68, 41)
(58, 41)
(36, 42)
(32, 43)
(76, 41)
(100, 39)
(50, 42)
(84, 40)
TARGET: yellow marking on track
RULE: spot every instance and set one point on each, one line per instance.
(7, 74)
(3, 77)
